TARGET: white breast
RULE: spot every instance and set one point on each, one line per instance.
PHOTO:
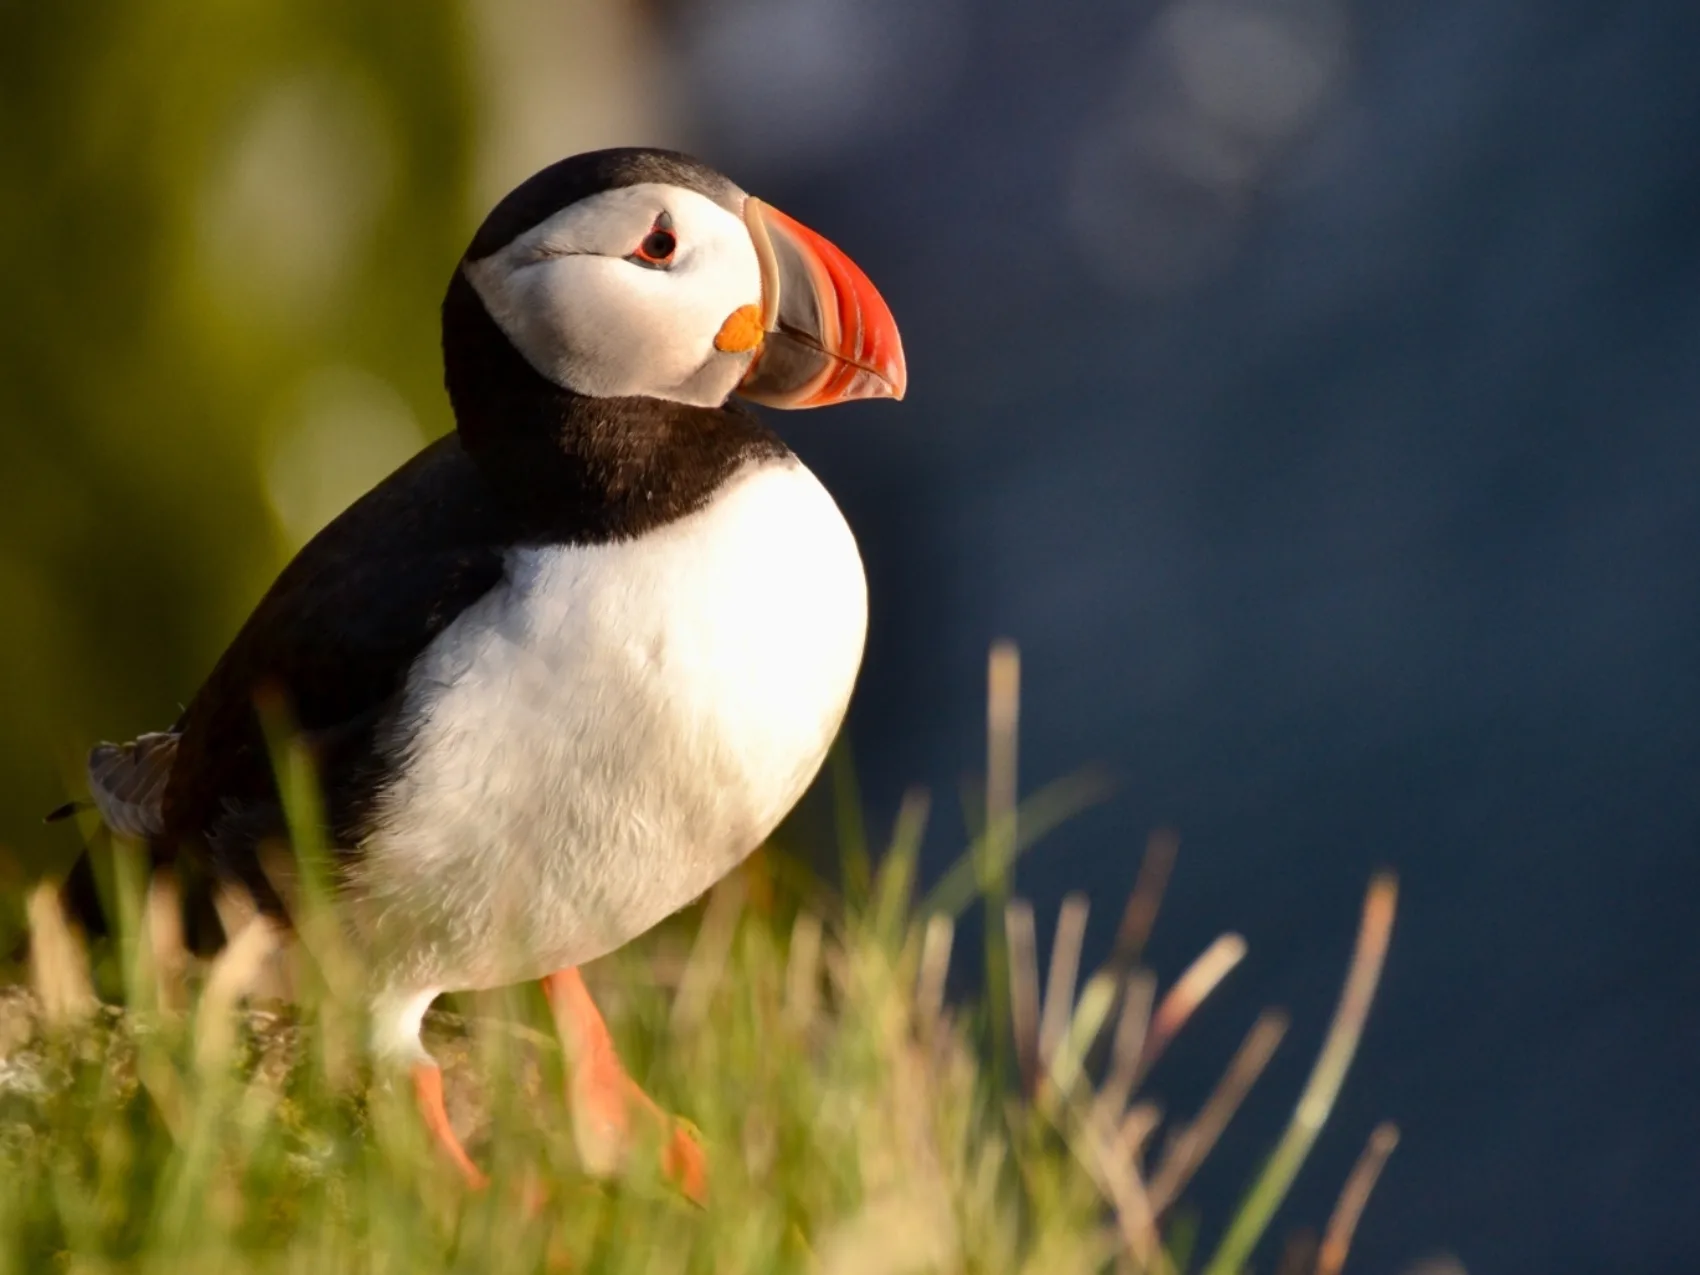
(605, 736)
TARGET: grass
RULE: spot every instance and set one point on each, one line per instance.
(855, 1121)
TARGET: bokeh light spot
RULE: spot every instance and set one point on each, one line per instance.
(332, 438)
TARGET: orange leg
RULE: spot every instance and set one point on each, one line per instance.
(602, 1094)
(428, 1090)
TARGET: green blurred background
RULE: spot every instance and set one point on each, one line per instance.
(225, 231)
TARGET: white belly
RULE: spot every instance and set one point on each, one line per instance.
(604, 737)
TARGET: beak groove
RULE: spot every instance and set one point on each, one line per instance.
(830, 337)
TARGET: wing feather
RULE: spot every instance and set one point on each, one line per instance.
(336, 636)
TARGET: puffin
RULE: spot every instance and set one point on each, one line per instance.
(569, 666)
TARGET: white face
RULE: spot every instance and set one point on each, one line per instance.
(578, 299)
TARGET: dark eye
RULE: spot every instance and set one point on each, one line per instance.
(657, 248)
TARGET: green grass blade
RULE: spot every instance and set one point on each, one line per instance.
(1320, 1090)
(1042, 813)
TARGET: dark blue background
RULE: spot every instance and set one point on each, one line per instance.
(1351, 517)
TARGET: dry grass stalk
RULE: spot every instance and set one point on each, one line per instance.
(1065, 970)
(1192, 1144)
(1067, 1067)
(900, 1232)
(1189, 992)
(1003, 711)
(1375, 931)
(59, 967)
(1140, 917)
(994, 860)
(1101, 1150)
(934, 968)
(165, 934)
(1136, 1128)
(234, 906)
(709, 954)
(235, 909)
(1128, 1045)
(802, 970)
(895, 900)
(1343, 1223)
(233, 975)
(1023, 989)
(320, 950)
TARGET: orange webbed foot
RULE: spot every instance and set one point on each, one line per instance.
(684, 1164)
(428, 1093)
(603, 1096)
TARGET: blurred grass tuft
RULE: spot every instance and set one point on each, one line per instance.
(855, 1121)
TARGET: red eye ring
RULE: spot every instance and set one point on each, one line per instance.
(657, 248)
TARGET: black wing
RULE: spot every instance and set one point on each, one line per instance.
(335, 637)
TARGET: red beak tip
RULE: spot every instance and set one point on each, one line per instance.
(854, 338)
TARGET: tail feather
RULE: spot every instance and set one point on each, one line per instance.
(66, 811)
(127, 787)
(127, 783)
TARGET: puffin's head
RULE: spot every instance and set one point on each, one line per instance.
(645, 273)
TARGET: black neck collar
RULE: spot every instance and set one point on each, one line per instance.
(567, 468)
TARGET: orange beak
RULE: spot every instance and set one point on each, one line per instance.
(828, 335)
